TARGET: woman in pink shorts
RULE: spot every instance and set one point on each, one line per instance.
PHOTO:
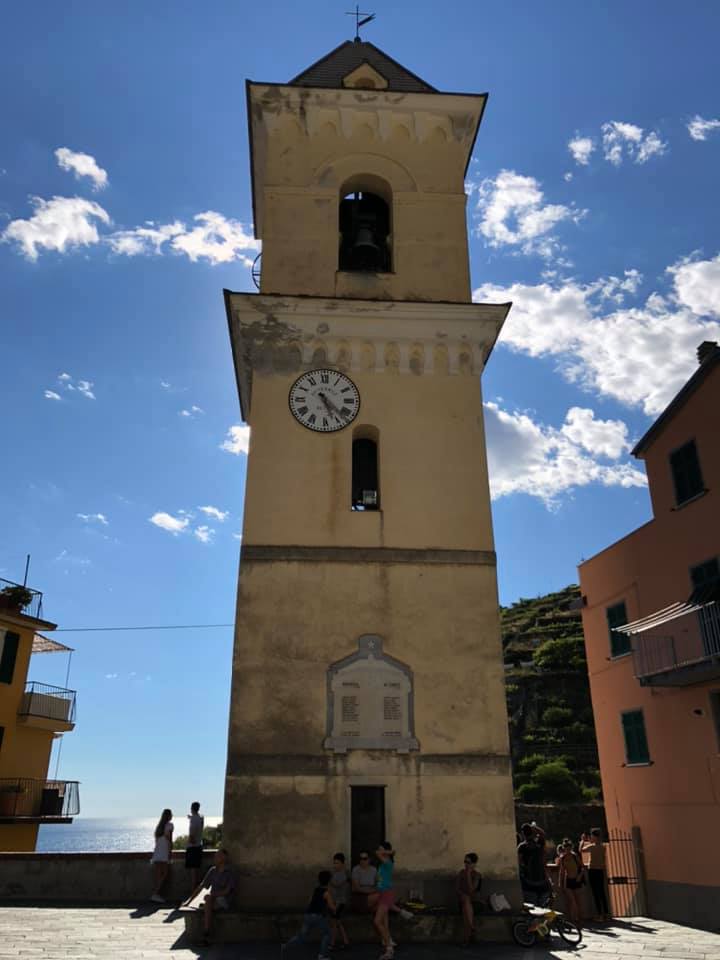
(384, 899)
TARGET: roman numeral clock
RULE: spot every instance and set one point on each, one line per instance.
(367, 694)
(324, 400)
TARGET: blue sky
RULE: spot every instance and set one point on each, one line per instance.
(593, 206)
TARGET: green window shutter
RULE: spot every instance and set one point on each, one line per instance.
(9, 656)
(687, 476)
(636, 745)
(620, 643)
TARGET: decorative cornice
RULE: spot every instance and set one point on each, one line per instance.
(275, 334)
(393, 555)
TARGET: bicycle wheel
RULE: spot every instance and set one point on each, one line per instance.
(568, 931)
(523, 934)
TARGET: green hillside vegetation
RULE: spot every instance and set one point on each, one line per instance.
(552, 735)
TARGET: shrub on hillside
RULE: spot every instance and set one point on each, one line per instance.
(551, 783)
(560, 654)
(557, 717)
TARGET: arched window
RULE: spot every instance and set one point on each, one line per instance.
(365, 475)
(364, 222)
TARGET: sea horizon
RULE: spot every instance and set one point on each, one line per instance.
(108, 834)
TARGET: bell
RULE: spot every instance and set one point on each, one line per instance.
(366, 254)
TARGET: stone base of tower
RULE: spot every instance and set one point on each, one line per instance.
(240, 927)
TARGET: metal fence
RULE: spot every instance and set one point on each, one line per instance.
(624, 873)
(695, 639)
(25, 799)
(52, 703)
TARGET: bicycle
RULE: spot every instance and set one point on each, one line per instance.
(529, 930)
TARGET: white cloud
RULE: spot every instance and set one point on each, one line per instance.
(193, 412)
(144, 240)
(51, 395)
(215, 238)
(512, 212)
(111, 676)
(529, 457)
(82, 165)
(215, 513)
(699, 128)
(622, 140)
(71, 560)
(567, 177)
(61, 223)
(165, 385)
(167, 522)
(237, 440)
(639, 355)
(204, 533)
(581, 149)
(65, 377)
(238, 536)
(85, 388)
(94, 518)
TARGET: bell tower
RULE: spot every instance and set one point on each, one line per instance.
(368, 687)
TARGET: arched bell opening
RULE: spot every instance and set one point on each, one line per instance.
(365, 469)
(365, 228)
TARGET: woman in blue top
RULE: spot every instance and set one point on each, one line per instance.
(384, 899)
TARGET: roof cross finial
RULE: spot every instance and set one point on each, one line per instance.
(358, 22)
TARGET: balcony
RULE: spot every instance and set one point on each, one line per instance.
(16, 599)
(38, 801)
(680, 652)
(48, 708)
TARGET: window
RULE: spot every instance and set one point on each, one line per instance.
(636, 745)
(8, 655)
(2, 734)
(715, 711)
(364, 222)
(685, 468)
(365, 489)
(705, 573)
(620, 643)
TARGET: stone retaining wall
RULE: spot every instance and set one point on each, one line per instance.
(89, 877)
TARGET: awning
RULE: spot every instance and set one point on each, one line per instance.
(660, 617)
(43, 644)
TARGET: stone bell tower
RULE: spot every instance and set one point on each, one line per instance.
(367, 692)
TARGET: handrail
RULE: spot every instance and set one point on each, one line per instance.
(22, 798)
(52, 703)
(33, 608)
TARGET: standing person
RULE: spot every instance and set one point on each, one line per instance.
(534, 879)
(467, 886)
(593, 853)
(316, 916)
(194, 848)
(160, 859)
(384, 900)
(219, 881)
(340, 890)
(571, 879)
(363, 877)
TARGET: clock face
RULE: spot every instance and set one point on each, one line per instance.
(324, 400)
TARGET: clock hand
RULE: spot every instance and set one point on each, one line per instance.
(329, 405)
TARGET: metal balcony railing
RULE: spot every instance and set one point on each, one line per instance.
(694, 641)
(33, 608)
(24, 799)
(51, 703)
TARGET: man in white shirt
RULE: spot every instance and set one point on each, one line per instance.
(194, 849)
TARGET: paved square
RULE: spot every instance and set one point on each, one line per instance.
(73, 933)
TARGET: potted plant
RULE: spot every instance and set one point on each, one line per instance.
(15, 598)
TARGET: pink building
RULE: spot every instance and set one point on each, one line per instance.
(651, 618)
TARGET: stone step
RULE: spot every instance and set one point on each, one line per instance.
(443, 928)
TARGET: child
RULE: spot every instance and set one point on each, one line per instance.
(384, 900)
(316, 915)
(340, 890)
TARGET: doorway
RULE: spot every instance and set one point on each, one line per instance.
(367, 817)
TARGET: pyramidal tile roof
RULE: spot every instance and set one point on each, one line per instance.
(332, 68)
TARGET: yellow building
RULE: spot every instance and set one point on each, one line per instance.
(368, 693)
(32, 714)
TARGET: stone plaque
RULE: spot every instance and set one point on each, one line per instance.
(370, 701)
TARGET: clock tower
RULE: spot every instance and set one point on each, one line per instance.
(368, 696)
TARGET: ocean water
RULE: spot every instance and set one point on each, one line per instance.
(107, 835)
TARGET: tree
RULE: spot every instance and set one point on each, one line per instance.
(564, 653)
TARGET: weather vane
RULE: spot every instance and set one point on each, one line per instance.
(367, 17)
